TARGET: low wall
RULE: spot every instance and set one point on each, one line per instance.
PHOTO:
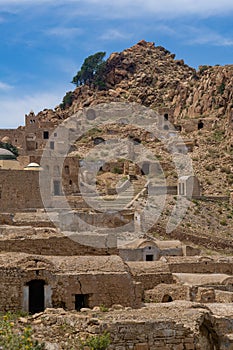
(52, 246)
(150, 273)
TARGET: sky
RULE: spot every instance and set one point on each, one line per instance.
(43, 43)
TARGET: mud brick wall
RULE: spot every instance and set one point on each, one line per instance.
(19, 190)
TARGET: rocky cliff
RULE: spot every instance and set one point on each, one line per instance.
(151, 75)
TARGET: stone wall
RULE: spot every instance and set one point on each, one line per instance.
(167, 292)
(150, 273)
(60, 246)
(200, 265)
(168, 326)
(16, 136)
(19, 190)
(103, 280)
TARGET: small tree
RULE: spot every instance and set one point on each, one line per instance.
(10, 148)
(91, 70)
(67, 100)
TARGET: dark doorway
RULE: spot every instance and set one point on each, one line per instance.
(136, 141)
(166, 116)
(56, 188)
(149, 257)
(167, 299)
(98, 140)
(36, 296)
(178, 127)
(200, 125)
(81, 300)
(46, 135)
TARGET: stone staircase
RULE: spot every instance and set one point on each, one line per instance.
(121, 200)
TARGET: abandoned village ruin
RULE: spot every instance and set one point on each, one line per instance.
(164, 290)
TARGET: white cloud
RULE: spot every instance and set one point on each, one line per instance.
(170, 8)
(5, 86)
(205, 36)
(14, 108)
(64, 32)
(132, 8)
(114, 34)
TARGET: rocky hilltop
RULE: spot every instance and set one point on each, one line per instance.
(199, 103)
(151, 75)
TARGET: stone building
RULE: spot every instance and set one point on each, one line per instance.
(32, 283)
(189, 187)
(149, 249)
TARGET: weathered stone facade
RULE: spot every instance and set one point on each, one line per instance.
(68, 282)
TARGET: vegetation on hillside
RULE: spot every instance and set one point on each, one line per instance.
(91, 71)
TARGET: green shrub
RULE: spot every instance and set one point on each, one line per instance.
(203, 68)
(226, 169)
(210, 167)
(223, 222)
(13, 339)
(221, 88)
(103, 308)
(117, 170)
(218, 135)
(98, 342)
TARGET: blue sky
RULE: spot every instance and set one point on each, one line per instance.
(44, 42)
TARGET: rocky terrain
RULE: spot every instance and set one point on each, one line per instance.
(199, 102)
(151, 76)
(170, 326)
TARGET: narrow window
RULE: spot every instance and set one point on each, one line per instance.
(200, 125)
(46, 135)
(56, 188)
(67, 169)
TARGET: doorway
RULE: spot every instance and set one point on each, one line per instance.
(167, 299)
(149, 257)
(81, 300)
(56, 188)
(36, 296)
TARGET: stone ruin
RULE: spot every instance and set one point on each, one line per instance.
(44, 266)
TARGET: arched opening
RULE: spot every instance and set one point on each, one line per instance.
(98, 140)
(167, 298)
(136, 141)
(200, 125)
(165, 127)
(208, 336)
(166, 116)
(67, 169)
(36, 296)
